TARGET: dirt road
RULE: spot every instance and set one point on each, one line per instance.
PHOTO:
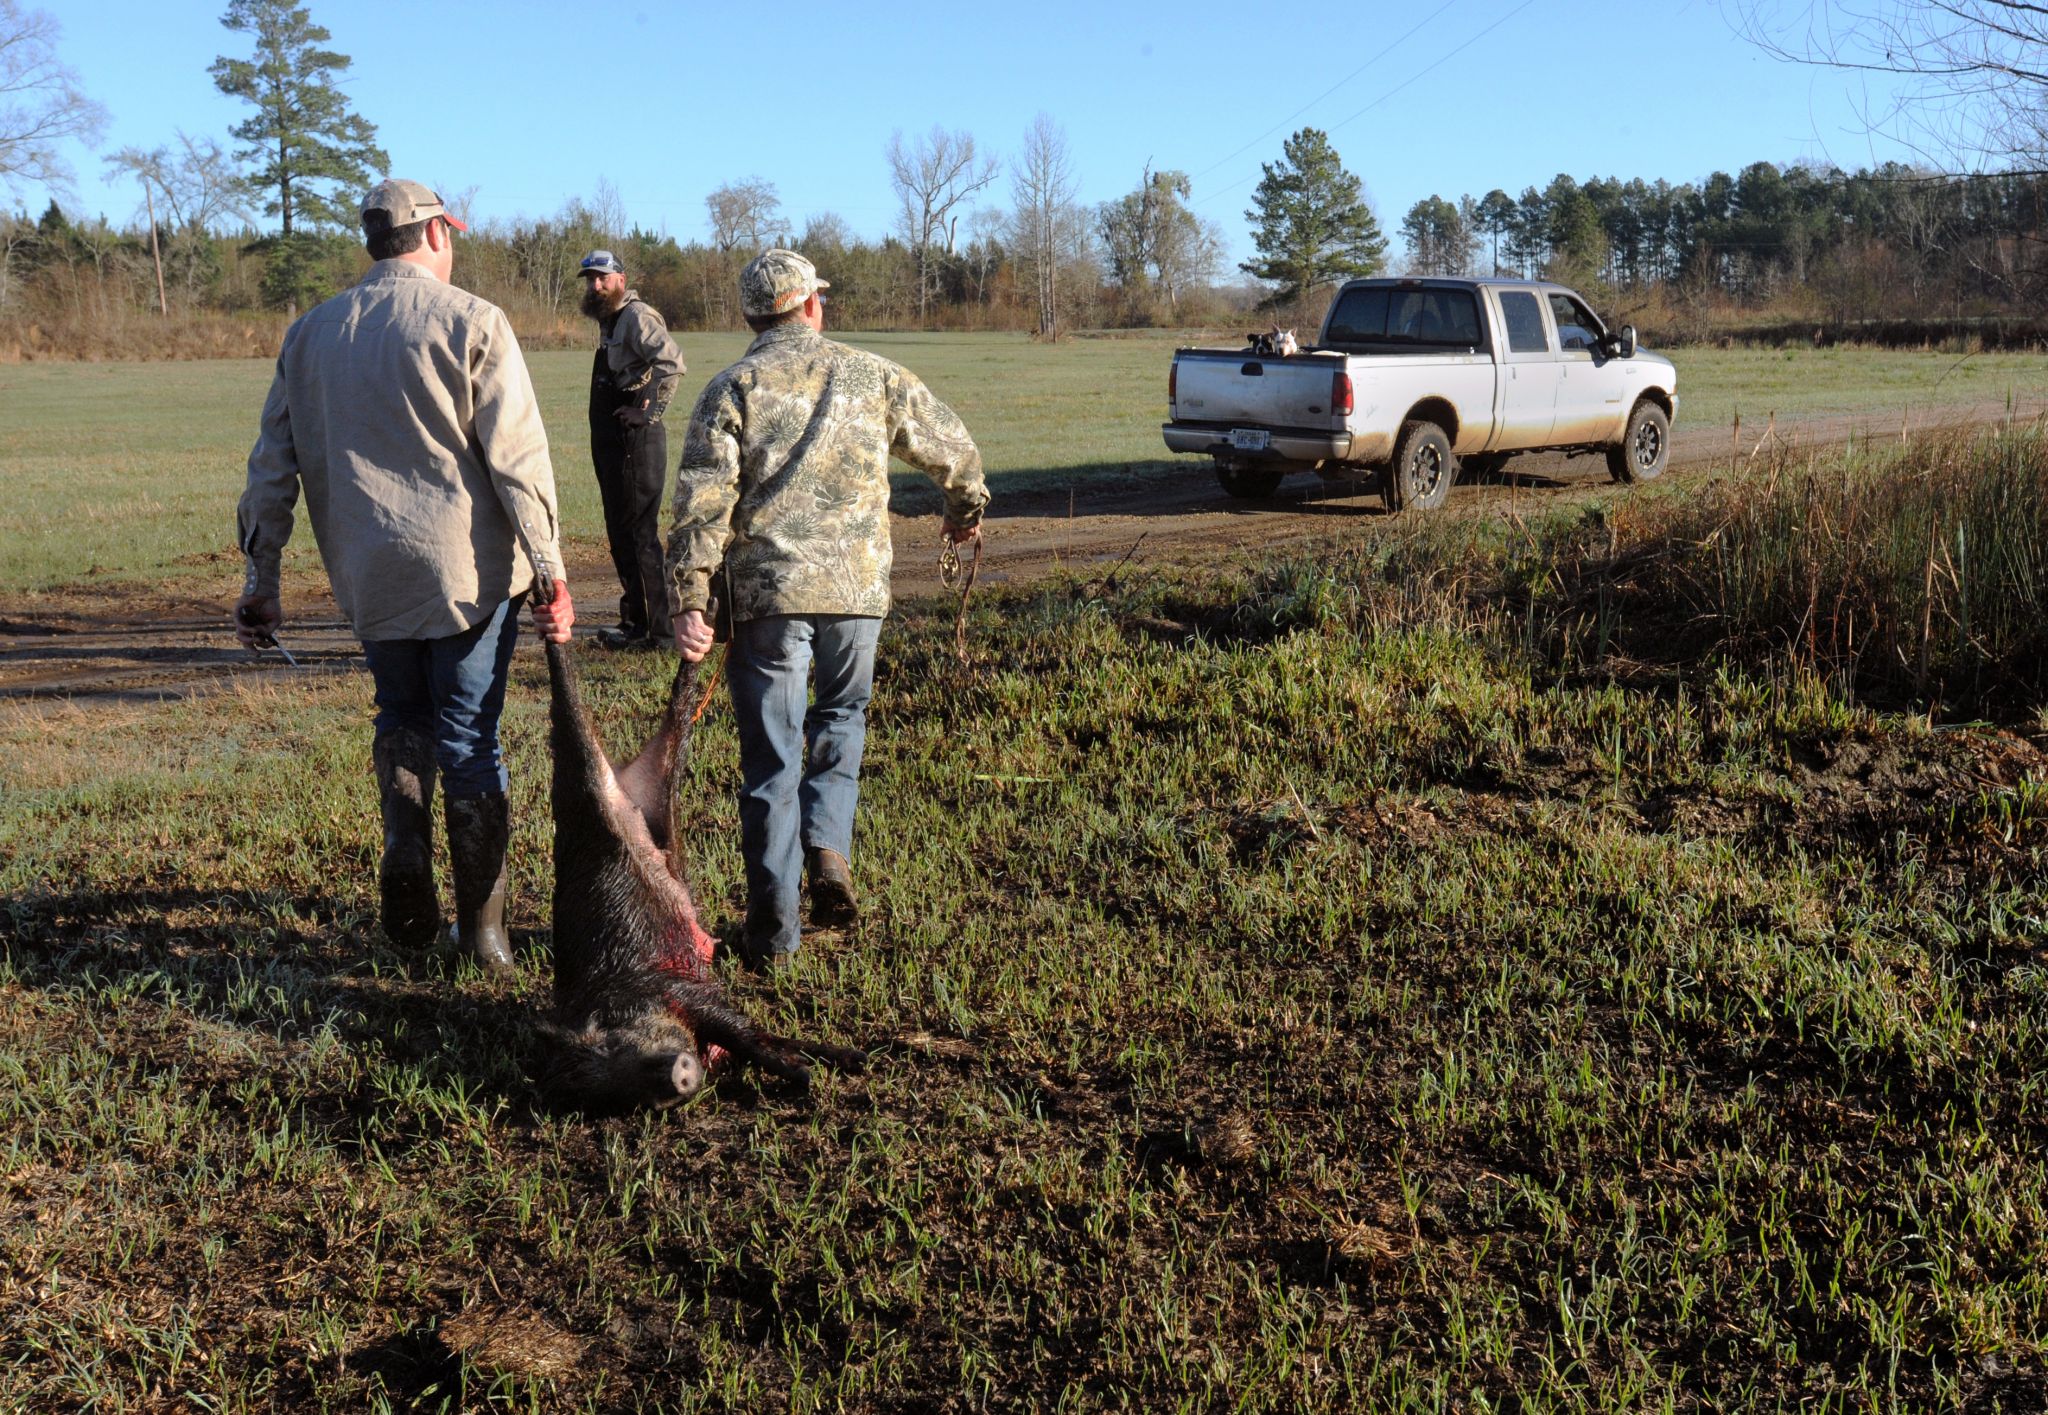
(121, 644)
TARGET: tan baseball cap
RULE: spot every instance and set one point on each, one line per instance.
(776, 282)
(404, 202)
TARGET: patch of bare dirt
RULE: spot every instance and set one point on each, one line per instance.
(86, 642)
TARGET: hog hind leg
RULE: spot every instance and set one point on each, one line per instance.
(650, 780)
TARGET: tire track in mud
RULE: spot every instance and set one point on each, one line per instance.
(129, 644)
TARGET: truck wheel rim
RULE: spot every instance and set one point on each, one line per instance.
(1426, 468)
(1649, 444)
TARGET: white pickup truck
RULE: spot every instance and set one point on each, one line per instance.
(1410, 379)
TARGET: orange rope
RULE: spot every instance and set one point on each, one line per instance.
(710, 687)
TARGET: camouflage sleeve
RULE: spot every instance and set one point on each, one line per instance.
(662, 361)
(930, 436)
(512, 440)
(707, 490)
(263, 520)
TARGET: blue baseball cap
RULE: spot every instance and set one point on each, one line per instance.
(600, 263)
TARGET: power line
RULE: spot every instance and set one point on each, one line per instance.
(1323, 95)
(1412, 79)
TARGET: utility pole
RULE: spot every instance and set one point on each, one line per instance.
(163, 306)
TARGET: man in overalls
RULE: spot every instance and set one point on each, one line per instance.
(631, 381)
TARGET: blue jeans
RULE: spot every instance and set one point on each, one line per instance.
(451, 691)
(788, 805)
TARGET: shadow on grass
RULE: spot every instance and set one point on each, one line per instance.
(286, 969)
(282, 969)
(1127, 489)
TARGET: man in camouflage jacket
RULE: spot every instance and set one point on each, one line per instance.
(632, 379)
(785, 481)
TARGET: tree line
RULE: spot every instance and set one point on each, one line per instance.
(1890, 240)
(245, 232)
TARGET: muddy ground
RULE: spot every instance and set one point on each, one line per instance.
(84, 643)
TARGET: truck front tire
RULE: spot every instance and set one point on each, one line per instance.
(1248, 483)
(1645, 447)
(1423, 468)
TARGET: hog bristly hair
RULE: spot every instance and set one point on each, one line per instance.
(638, 1014)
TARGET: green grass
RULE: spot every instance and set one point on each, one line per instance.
(122, 472)
(1287, 992)
(1483, 966)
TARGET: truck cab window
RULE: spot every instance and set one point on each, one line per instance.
(1390, 318)
(1524, 320)
(1438, 317)
(1360, 317)
(1576, 327)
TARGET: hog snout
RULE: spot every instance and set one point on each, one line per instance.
(604, 1071)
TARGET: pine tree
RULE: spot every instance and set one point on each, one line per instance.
(1312, 225)
(303, 140)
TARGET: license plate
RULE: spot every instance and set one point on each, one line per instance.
(1246, 439)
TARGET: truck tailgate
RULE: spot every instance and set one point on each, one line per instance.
(1252, 390)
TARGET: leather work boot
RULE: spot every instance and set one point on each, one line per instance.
(479, 828)
(833, 905)
(627, 640)
(408, 909)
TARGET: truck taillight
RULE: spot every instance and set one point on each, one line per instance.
(1340, 394)
(1172, 379)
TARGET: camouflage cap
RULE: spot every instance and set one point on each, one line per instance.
(402, 203)
(776, 282)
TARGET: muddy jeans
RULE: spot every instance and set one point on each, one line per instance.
(789, 804)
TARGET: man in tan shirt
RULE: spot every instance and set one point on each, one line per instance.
(403, 410)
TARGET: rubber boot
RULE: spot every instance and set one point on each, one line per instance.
(410, 912)
(479, 828)
(833, 903)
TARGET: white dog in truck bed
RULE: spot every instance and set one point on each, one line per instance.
(1276, 343)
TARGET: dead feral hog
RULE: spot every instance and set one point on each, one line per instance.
(639, 1018)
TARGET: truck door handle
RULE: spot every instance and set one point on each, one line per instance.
(1253, 371)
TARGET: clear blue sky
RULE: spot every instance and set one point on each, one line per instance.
(533, 103)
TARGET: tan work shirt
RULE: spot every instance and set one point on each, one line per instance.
(787, 463)
(403, 407)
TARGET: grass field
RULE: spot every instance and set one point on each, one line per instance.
(115, 472)
(1467, 965)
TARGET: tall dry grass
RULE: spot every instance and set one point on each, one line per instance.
(1910, 569)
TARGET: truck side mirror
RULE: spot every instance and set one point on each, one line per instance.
(1625, 342)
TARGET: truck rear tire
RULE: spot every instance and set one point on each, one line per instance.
(1645, 447)
(1423, 468)
(1248, 483)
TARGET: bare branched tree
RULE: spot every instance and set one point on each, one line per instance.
(1152, 237)
(746, 215)
(827, 233)
(933, 176)
(202, 185)
(608, 212)
(1982, 67)
(1048, 231)
(40, 101)
(195, 179)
